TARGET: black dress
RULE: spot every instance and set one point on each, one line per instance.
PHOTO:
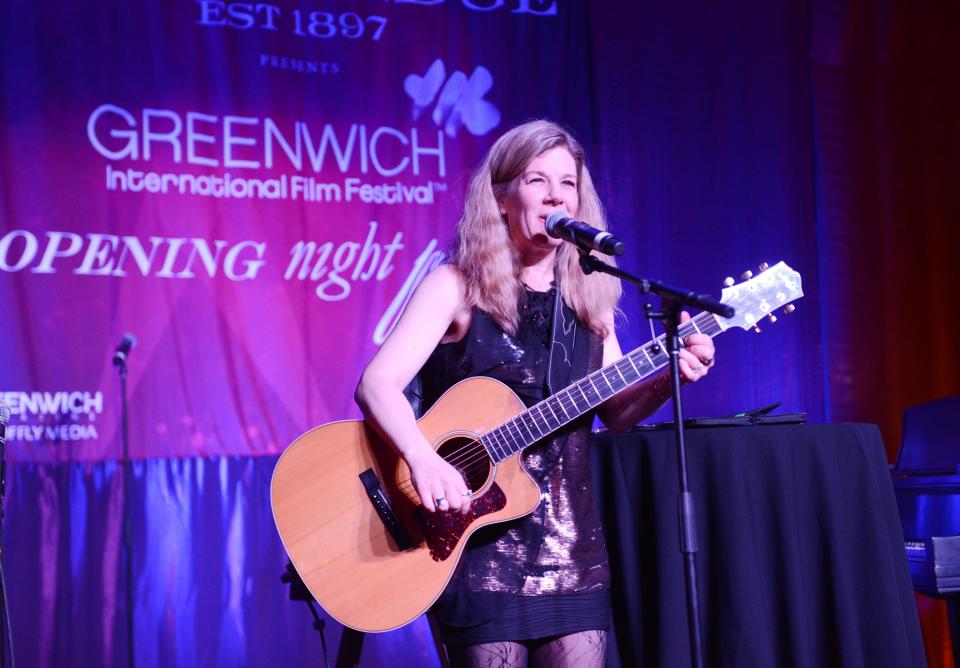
(545, 574)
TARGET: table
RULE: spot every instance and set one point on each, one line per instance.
(801, 558)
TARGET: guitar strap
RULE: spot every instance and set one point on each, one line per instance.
(567, 361)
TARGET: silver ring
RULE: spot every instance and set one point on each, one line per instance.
(467, 494)
(441, 501)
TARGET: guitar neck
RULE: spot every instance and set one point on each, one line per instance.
(565, 406)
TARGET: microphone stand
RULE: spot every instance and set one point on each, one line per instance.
(121, 363)
(6, 632)
(672, 301)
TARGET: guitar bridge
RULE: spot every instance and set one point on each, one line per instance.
(381, 503)
(444, 529)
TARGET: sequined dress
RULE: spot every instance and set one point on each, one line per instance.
(545, 574)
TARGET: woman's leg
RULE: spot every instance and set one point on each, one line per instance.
(586, 649)
(488, 655)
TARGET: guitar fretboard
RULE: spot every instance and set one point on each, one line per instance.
(561, 408)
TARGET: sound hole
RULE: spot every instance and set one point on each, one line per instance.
(468, 456)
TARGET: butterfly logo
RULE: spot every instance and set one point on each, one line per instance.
(459, 99)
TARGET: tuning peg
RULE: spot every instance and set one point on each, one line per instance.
(772, 318)
(756, 328)
(764, 266)
(789, 308)
(746, 275)
(728, 282)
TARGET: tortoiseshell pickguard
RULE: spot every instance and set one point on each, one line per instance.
(443, 530)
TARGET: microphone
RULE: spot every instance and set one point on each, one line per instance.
(123, 349)
(561, 226)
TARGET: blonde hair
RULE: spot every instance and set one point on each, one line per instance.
(484, 254)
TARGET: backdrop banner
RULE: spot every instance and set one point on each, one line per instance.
(252, 190)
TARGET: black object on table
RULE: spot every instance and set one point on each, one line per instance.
(802, 550)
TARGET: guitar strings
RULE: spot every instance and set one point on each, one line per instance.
(476, 454)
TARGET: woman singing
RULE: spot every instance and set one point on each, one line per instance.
(513, 304)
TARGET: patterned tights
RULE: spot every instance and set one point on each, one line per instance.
(585, 649)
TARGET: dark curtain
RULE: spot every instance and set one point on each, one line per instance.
(887, 137)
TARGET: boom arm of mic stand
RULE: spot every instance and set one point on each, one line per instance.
(589, 264)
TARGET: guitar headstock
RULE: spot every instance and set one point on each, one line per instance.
(759, 296)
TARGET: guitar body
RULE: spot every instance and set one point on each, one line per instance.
(341, 546)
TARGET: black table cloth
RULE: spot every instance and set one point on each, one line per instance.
(801, 559)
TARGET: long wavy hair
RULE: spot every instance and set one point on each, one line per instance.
(484, 254)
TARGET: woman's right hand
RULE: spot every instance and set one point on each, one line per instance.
(440, 486)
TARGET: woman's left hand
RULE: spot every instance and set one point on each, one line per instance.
(697, 355)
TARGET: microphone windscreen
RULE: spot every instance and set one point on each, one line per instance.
(128, 342)
(554, 219)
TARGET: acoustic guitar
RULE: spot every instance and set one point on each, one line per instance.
(350, 518)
